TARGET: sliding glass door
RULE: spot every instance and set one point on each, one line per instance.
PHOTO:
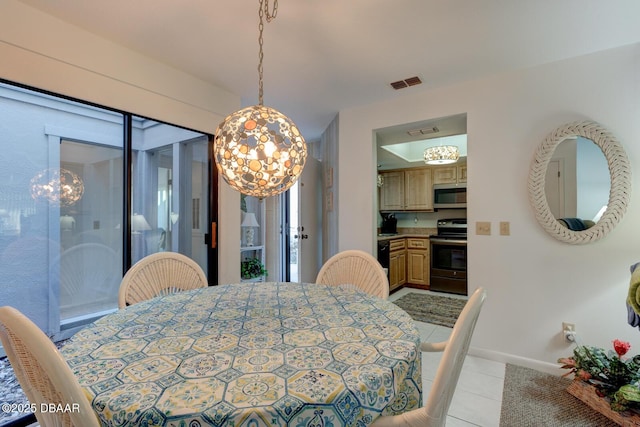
(74, 180)
(60, 190)
(170, 191)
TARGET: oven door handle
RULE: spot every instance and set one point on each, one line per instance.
(448, 241)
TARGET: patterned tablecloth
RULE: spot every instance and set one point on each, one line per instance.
(251, 355)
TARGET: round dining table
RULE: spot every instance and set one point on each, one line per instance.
(250, 354)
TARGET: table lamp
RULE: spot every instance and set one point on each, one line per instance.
(139, 223)
(249, 223)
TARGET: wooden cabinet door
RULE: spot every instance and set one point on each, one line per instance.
(462, 173)
(402, 268)
(392, 191)
(397, 263)
(393, 271)
(418, 189)
(417, 267)
(450, 174)
(418, 262)
(445, 175)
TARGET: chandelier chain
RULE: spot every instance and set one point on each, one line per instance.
(263, 11)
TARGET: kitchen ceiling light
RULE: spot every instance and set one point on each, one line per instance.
(260, 151)
(441, 155)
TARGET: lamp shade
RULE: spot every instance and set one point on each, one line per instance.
(441, 155)
(139, 223)
(250, 220)
(59, 187)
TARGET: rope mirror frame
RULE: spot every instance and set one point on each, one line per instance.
(619, 172)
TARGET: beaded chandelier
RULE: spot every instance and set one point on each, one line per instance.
(58, 187)
(441, 155)
(258, 150)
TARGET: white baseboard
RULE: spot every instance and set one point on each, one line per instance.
(538, 365)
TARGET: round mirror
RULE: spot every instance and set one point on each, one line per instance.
(577, 183)
(563, 219)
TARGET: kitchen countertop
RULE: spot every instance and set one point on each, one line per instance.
(408, 233)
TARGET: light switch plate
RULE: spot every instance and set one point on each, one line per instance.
(483, 228)
(504, 228)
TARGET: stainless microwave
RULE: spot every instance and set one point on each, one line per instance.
(450, 196)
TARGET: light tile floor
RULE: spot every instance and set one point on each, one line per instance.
(478, 397)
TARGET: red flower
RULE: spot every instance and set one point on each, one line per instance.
(621, 347)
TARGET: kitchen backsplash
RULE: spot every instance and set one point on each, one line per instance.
(417, 231)
(424, 219)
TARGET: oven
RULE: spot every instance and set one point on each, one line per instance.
(448, 248)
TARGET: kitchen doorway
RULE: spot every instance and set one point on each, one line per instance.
(406, 183)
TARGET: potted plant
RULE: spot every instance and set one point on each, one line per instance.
(252, 268)
(607, 374)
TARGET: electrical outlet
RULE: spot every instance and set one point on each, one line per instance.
(569, 331)
(483, 228)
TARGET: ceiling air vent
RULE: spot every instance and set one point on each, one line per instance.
(411, 81)
(423, 131)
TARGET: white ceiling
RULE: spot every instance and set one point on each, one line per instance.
(324, 56)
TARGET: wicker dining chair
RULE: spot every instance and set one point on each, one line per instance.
(357, 268)
(43, 374)
(434, 412)
(157, 274)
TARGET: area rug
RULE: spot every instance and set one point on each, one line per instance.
(429, 308)
(535, 399)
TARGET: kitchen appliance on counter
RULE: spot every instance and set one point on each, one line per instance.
(449, 257)
(450, 196)
(389, 224)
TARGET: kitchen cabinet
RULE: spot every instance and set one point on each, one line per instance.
(462, 173)
(392, 191)
(418, 262)
(397, 263)
(453, 174)
(410, 189)
(418, 189)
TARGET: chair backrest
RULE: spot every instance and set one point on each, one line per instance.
(43, 374)
(446, 379)
(357, 268)
(161, 273)
(86, 273)
(434, 412)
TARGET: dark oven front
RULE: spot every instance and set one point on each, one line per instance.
(448, 265)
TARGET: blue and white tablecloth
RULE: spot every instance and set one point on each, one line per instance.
(250, 354)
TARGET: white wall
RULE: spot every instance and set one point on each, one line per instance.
(534, 282)
(47, 53)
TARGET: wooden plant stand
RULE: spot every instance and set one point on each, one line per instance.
(587, 394)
